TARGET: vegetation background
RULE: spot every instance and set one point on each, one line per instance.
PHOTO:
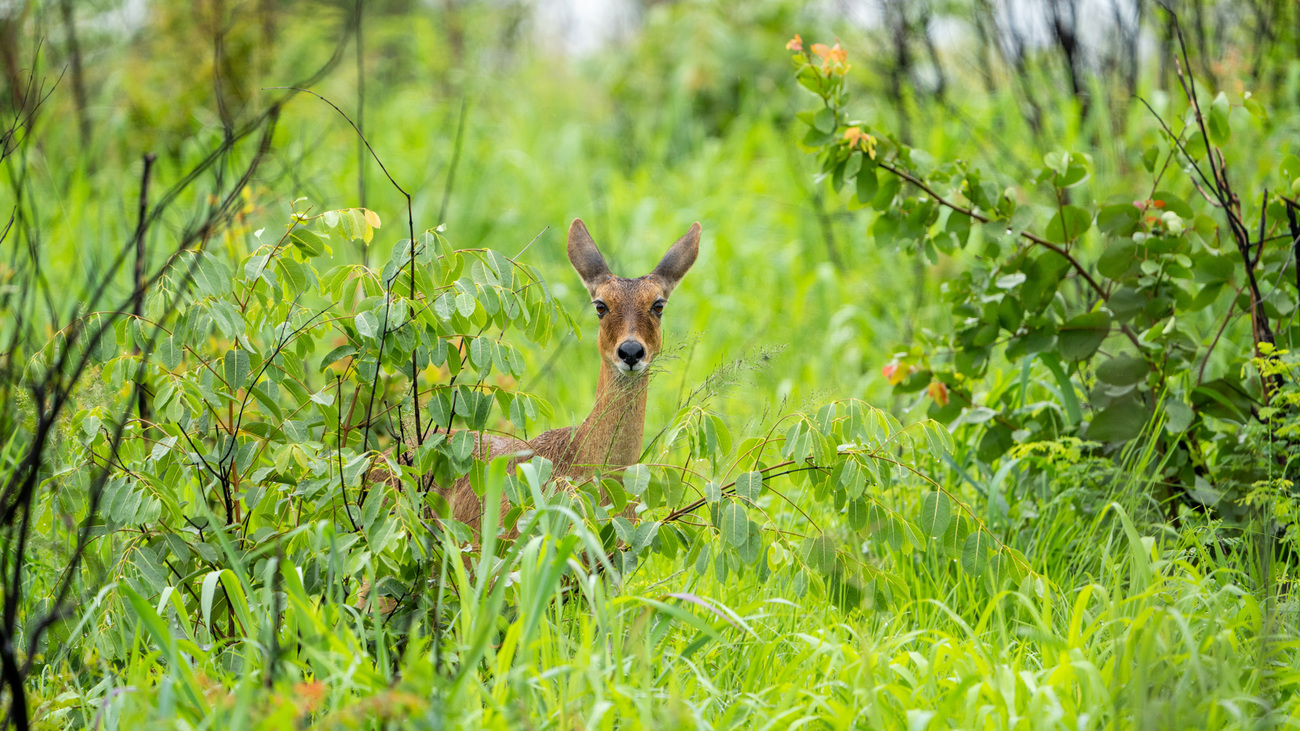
(1132, 577)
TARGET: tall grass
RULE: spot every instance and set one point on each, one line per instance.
(1151, 629)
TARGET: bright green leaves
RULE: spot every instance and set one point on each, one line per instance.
(1217, 126)
(170, 353)
(712, 492)
(307, 242)
(975, 553)
(867, 184)
(936, 511)
(235, 369)
(210, 276)
(350, 224)
(734, 524)
(749, 485)
(636, 479)
(367, 324)
(1065, 169)
(1068, 224)
(818, 553)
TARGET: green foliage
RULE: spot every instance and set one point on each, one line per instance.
(263, 485)
(266, 550)
(1121, 300)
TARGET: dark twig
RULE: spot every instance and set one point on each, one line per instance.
(410, 225)
(142, 408)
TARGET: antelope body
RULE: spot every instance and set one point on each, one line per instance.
(630, 311)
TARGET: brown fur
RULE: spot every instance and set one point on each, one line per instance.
(611, 436)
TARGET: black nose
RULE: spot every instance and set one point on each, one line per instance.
(631, 352)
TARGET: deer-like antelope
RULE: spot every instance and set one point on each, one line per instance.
(630, 311)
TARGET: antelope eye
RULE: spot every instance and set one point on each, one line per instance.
(658, 307)
(601, 309)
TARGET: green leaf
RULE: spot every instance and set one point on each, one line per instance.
(211, 276)
(307, 242)
(236, 368)
(867, 185)
(170, 353)
(337, 354)
(295, 275)
(819, 553)
(617, 497)
(884, 197)
(367, 324)
(465, 304)
(975, 553)
(1123, 370)
(749, 485)
(1120, 219)
(1170, 202)
(1118, 258)
(1119, 422)
(1080, 336)
(207, 595)
(936, 511)
(954, 537)
(462, 445)
(1179, 416)
(824, 120)
(1219, 130)
(712, 492)
(1068, 224)
(858, 510)
(635, 479)
(735, 524)
(266, 402)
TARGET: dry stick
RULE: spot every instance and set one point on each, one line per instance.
(1295, 237)
(142, 407)
(342, 436)
(1223, 189)
(1227, 319)
(23, 478)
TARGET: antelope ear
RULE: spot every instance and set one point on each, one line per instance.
(679, 259)
(586, 258)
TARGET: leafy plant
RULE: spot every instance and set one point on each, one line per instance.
(259, 453)
(1114, 304)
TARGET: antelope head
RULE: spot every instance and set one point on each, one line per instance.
(630, 309)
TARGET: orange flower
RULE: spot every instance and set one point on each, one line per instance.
(309, 695)
(834, 58)
(939, 392)
(795, 44)
(857, 138)
(896, 375)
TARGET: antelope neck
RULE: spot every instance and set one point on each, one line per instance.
(611, 435)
